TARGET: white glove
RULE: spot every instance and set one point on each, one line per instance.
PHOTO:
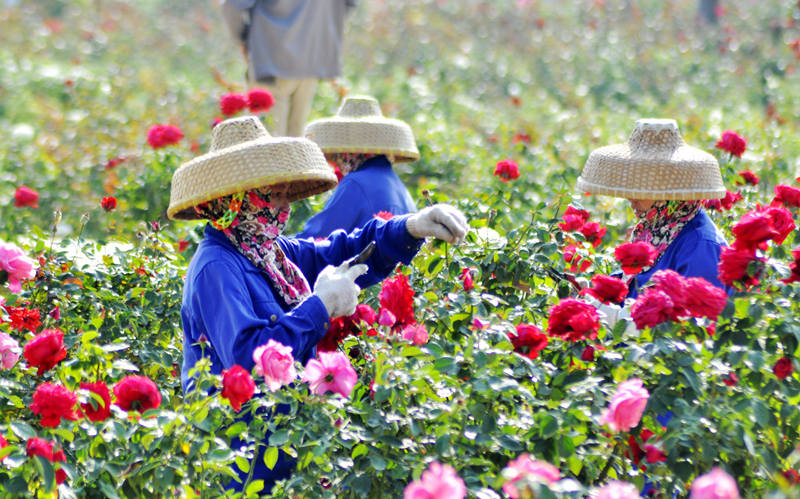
(441, 221)
(337, 289)
(611, 314)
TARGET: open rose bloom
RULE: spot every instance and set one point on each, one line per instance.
(627, 406)
(275, 362)
(331, 372)
(16, 265)
(714, 485)
(439, 481)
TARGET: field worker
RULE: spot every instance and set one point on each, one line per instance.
(664, 179)
(363, 145)
(247, 284)
(289, 45)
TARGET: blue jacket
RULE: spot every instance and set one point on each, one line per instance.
(694, 253)
(361, 194)
(229, 307)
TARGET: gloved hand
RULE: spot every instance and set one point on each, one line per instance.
(441, 221)
(337, 289)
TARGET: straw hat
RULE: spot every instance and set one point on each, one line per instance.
(244, 156)
(655, 163)
(359, 127)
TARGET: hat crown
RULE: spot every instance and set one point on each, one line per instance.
(359, 107)
(236, 131)
(651, 135)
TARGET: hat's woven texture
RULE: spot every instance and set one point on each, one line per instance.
(244, 156)
(359, 127)
(655, 163)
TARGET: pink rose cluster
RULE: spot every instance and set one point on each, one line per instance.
(673, 297)
(524, 468)
(16, 265)
(627, 406)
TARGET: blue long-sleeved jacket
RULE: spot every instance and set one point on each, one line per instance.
(229, 307)
(372, 188)
(694, 253)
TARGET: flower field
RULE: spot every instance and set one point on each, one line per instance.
(477, 371)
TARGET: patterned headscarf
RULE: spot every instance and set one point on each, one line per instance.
(660, 224)
(252, 225)
(349, 161)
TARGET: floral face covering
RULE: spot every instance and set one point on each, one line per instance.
(662, 222)
(252, 225)
(349, 161)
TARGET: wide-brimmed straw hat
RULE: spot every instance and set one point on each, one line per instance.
(360, 127)
(243, 156)
(655, 163)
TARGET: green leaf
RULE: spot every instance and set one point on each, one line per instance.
(377, 462)
(279, 438)
(271, 457)
(47, 473)
(236, 429)
(764, 416)
(22, 430)
(243, 464)
(125, 365)
(108, 489)
(254, 487)
(359, 450)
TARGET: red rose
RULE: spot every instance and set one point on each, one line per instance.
(237, 386)
(40, 447)
(21, 318)
(653, 454)
(159, 136)
(593, 232)
(787, 196)
(636, 451)
(183, 244)
(576, 261)
(397, 297)
(137, 393)
(573, 219)
(466, 279)
(634, 256)
(108, 203)
(753, 230)
(749, 177)
(732, 142)
(506, 170)
(54, 402)
(45, 350)
(94, 410)
(114, 162)
(674, 285)
(725, 203)
(733, 264)
(260, 100)
(652, 308)
(26, 197)
(521, 137)
(232, 103)
(782, 222)
(608, 289)
(588, 354)
(731, 379)
(794, 267)
(792, 476)
(703, 299)
(783, 368)
(528, 340)
(573, 320)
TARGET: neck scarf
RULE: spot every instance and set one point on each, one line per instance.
(253, 232)
(350, 161)
(661, 223)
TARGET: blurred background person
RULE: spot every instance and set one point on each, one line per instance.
(289, 45)
(363, 145)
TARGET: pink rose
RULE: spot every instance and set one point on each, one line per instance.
(415, 333)
(9, 351)
(714, 485)
(274, 361)
(332, 372)
(16, 264)
(386, 318)
(732, 142)
(525, 468)
(617, 490)
(626, 407)
(439, 481)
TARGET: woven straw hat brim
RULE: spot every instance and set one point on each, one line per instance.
(250, 165)
(685, 173)
(364, 135)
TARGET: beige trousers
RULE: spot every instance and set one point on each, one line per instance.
(293, 100)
